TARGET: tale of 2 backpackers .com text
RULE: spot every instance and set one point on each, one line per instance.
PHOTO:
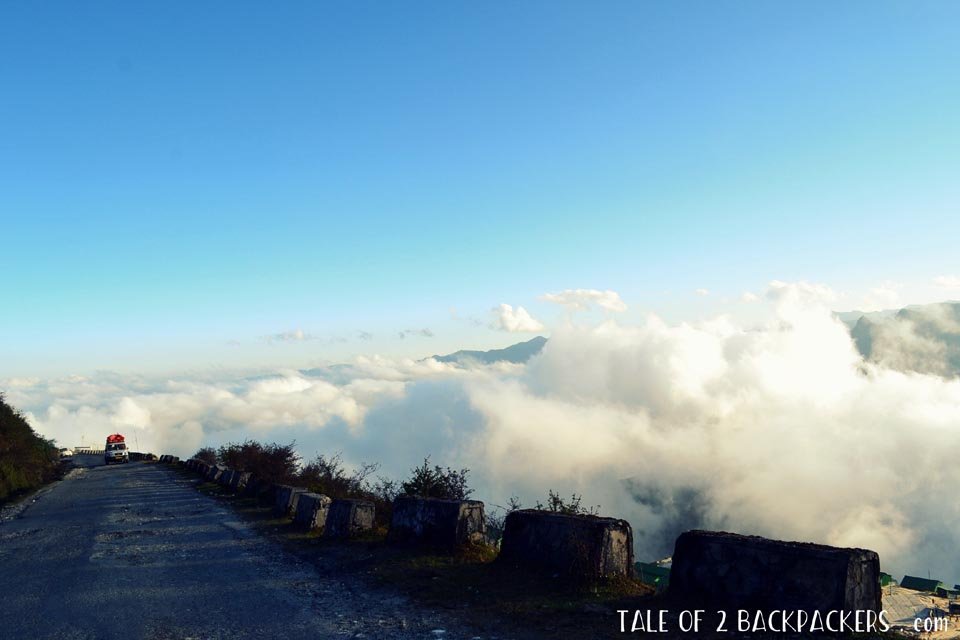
(746, 621)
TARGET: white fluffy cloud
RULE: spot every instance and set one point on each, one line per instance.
(702, 292)
(506, 318)
(582, 299)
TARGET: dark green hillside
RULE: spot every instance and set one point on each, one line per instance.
(26, 460)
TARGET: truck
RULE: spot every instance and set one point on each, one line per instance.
(115, 450)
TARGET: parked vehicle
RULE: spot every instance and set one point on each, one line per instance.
(66, 452)
(115, 450)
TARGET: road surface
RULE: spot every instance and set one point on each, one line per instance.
(132, 551)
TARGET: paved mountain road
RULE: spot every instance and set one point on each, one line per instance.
(132, 551)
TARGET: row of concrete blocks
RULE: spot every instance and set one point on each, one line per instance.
(168, 459)
(335, 518)
(727, 569)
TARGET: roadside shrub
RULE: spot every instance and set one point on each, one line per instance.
(570, 507)
(207, 454)
(270, 462)
(27, 460)
(437, 482)
(328, 476)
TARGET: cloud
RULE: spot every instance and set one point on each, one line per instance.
(801, 292)
(365, 335)
(884, 296)
(583, 299)
(702, 292)
(294, 335)
(424, 333)
(710, 425)
(951, 283)
(749, 297)
(514, 320)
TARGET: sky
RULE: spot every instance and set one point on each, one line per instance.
(190, 186)
(231, 220)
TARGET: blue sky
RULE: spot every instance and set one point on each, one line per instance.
(179, 181)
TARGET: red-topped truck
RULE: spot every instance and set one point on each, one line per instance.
(115, 451)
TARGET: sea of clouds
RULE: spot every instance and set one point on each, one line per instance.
(780, 428)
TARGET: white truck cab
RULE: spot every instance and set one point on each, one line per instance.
(116, 452)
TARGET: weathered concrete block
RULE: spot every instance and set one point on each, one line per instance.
(239, 480)
(215, 472)
(287, 498)
(203, 468)
(348, 518)
(312, 510)
(581, 546)
(749, 572)
(436, 522)
(224, 479)
(254, 486)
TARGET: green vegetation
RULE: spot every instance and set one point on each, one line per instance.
(207, 454)
(437, 482)
(270, 462)
(569, 507)
(27, 460)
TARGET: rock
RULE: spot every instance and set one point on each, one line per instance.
(749, 572)
(348, 518)
(575, 545)
(436, 522)
(311, 510)
(286, 499)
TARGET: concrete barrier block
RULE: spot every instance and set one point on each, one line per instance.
(576, 545)
(349, 518)
(224, 479)
(436, 522)
(749, 572)
(311, 511)
(286, 499)
(215, 472)
(238, 481)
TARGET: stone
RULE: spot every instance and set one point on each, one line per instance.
(286, 499)
(224, 479)
(749, 572)
(582, 546)
(311, 510)
(436, 522)
(349, 518)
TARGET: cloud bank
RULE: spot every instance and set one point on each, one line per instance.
(782, 429)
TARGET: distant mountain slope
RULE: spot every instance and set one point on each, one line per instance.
(920, 338)
(517, 353)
